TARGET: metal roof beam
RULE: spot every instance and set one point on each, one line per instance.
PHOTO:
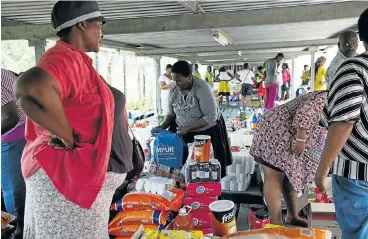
(320, 12)
(192, 6)
(244, 57)
(241, 47)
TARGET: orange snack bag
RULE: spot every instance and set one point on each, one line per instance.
(130, 229)
(287, 233)
(142, 217)
(147, 201)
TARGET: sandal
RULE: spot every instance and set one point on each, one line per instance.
(299, 222)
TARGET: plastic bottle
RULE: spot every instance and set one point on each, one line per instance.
(254, 122)
(259, 117)
(183, 221)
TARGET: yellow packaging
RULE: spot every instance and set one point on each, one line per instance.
(272, 226)
(172, 234)
(150, 234)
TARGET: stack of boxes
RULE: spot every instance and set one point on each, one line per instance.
(199, 196)
(203, 185)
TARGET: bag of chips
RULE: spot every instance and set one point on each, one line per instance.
(147, 201)
(141, 217)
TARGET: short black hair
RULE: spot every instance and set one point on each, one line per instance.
(64, 33)
(306, 66)
(286, 65)
(168, 66)
(222, 69)
(246, 65)
(363, 26)
(280, 55)
(259, 68)
(183, 68)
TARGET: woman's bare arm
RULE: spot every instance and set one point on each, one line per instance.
(163, 85)
(38, 95)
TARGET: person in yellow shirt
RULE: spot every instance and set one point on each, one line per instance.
(320, 74)
(209, 76)
(306, 76)
(196, 72)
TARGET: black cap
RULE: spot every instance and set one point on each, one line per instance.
(68, 13)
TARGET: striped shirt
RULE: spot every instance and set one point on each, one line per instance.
(348, 101)
(7, 95)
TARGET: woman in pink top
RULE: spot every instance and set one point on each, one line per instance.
(70, 119)
(286, 79)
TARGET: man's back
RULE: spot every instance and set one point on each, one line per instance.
(334, 66)
(271, 71)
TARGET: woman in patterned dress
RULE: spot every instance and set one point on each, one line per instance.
(288, 143)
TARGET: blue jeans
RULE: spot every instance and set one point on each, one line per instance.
(351, 204)
(12, 181)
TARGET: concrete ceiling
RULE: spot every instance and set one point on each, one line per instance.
(183, 28)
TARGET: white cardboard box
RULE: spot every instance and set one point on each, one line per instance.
(322, 216)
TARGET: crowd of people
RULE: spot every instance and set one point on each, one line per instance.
(66, 147)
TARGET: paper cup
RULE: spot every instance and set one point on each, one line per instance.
(223, 217)
(233, 186)
(225, 184)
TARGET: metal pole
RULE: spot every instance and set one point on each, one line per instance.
(312, 51)
(293, 79)
(97, 63)
(39, 46)
(158, 91)
(124, 74)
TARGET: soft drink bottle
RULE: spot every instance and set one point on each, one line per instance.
(183, 221)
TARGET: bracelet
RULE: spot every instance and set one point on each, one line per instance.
(301, 140)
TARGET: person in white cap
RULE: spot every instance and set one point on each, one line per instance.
(69, 128)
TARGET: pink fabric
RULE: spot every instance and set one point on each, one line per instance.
(77, 174)
(286, 76)
(275, 137)
(271, 92)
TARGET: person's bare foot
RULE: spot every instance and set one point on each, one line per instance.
(298, 221)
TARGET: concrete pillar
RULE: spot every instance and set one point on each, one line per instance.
(294, 81)
(39, 46)
(157, 107)
(97, 63)
(312, 51)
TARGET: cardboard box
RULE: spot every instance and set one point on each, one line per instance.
(322, 216)
(203, 189)
(199, 204)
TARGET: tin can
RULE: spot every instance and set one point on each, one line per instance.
(223, 218)
(215, 171)
(191, 172)
(262, 219)
(203, 172)
(202, 144)
(252, 215)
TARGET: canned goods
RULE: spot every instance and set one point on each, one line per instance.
(215, 171)
(202, 144)
(191, 172)
(262, 218)
(203, 172)
(252, 215)
(223, 217)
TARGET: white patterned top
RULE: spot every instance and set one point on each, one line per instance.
(189, 106)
